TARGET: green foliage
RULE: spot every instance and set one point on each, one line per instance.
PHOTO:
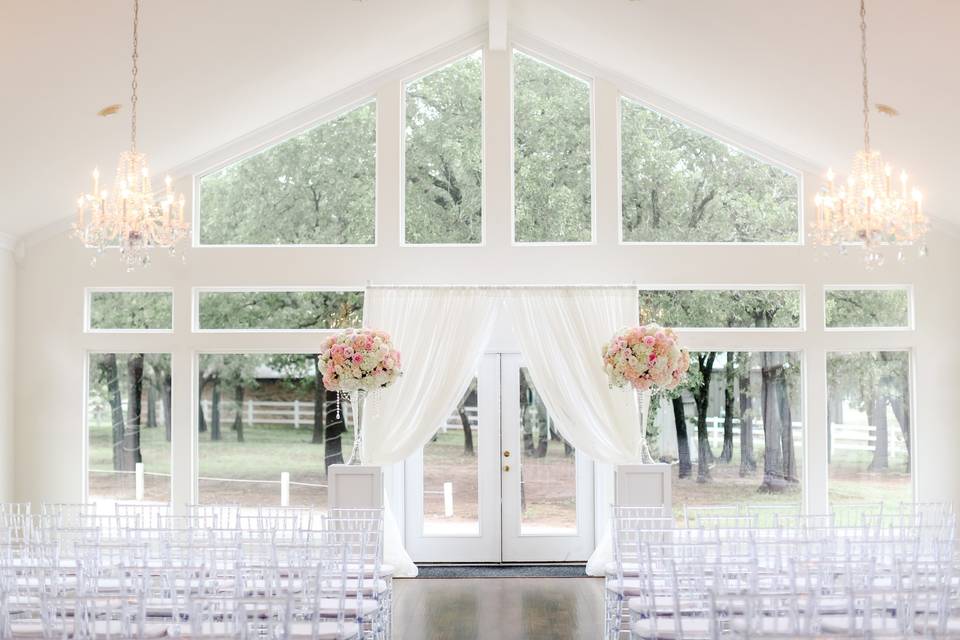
(867, 308)
(860, 377)
(681, 185)
(443, 162)
(315, 188)
(707, 308)
(280, 309)
(552, 174)
(131, 310)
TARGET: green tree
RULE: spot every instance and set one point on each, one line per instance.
(443, 155)
(681, 185)
(314, 188)
(552, 169)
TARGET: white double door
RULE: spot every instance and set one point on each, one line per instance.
(509, 489)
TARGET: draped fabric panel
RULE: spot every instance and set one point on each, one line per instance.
(560, 331)
(441, 334)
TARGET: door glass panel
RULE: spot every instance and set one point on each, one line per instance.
(548, 469)
(450, 473)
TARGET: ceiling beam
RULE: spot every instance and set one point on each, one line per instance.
(497, 18)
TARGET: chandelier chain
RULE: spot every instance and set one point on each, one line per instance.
(135, 71)
(863, 62)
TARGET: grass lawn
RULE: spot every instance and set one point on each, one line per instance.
(548, 483)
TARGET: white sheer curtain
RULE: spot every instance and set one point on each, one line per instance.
(441, 334)
(560, 331)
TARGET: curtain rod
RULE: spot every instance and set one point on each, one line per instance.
(501, 286)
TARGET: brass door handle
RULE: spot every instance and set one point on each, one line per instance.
(506, 467)
(506, 454)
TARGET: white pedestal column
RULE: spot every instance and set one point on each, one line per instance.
(643, 485)
(355, 487)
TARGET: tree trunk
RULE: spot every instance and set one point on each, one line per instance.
(112, 375)
(167, 399)
(215, 411)
(901, 410)
(729, 378)
(543, 424)
(238, 394)
(131, 432)
(877, 416)
(467, 429)
(319, 394)
(748, 463)
(683, 443)
(151, 407)
(786, 428)
(701, 398)
(201, 419)
(333, 428)
(773, 479)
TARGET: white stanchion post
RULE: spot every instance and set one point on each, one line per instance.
(448, 499)
(138, 471)
(284, 488)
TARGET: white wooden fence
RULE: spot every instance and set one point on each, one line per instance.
(301, 414)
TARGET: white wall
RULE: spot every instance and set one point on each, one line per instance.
(7, 288)
(52, 346)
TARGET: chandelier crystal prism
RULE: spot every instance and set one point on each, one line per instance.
(870, 207)
(132, 217)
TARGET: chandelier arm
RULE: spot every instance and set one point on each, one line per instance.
(863, 62)
(135, 72)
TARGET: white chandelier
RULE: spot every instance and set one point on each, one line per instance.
(868, 208)
(131, 217)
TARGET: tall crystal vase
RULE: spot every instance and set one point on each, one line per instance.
(643, 404)
(357, 399)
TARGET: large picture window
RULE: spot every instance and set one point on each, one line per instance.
(278, 310)
(129, 310)
(444, 113)
(735, 430)
(267, 430)
(552, 167)
(869, 422)
(129, 427)
(722, 308)
(878, 307)
(681, 185)
(315, 188)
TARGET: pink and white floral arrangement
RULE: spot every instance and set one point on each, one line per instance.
(645, 357)
(359, 360)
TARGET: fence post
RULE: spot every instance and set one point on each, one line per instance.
(284, 488)
(138, 471)
(296, 414)
(448, 499)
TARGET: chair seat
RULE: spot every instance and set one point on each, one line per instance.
(325, 631)
(115, 629)
(692, 629)
(630, 587)
(837, 624)
(630, 569)
(330, 607)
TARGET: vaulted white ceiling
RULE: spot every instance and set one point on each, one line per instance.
(214, 70)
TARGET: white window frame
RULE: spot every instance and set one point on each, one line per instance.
(88, 308)
(799, 288)
(197, 292)
(545, 58)
(908, 288)
(483, 165)
(748, 151)
(336, 109)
